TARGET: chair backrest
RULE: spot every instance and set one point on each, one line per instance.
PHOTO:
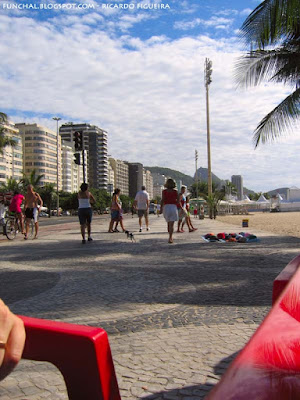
(268, 368)
(81, 353)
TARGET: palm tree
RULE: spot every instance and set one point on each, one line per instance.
(4, 140)
(47, 194)
(10, 186)
(274, 23)
(33, 179)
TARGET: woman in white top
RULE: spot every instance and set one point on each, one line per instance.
(85, 212)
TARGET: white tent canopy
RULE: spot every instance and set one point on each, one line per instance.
(262, 199)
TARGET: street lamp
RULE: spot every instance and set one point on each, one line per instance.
(57, 158)
(207, 79)
(196, 159)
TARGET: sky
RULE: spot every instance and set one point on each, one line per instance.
(136, 69)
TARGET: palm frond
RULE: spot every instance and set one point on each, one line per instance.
(278, 120)
(272, 21)
(279, 65)
(3, 118)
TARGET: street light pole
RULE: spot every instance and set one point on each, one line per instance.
(207, 79)
(57, 158)
(196, 159)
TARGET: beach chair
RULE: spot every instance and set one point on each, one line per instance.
(81, 353)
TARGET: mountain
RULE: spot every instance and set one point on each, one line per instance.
(176, 175)
(187, 180)
(283, 191)
(202, 174)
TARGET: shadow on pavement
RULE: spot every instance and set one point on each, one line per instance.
(149, 272)
(197, 392)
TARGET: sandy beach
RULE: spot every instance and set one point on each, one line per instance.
(282, 223)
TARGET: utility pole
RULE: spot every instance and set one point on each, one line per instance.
(207, 80)
(196, 159)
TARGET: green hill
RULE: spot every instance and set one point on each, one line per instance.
(188, 180)
(176, 175)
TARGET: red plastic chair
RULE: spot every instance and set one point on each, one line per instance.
(284, 277)
(268, 368)
(81, 353)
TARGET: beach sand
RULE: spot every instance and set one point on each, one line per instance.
(281, 223)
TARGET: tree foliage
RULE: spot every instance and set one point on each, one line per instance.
(32, 179)
(4, 139)
(274, 23)
(46, 193)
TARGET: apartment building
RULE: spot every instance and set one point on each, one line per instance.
(121, 175)
(95, 144)
(237, 181)
(136, 178)
(72, 174)
(148, 182)
(11, 161)
(41, 152)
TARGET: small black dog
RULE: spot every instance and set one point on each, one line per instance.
(130, 235)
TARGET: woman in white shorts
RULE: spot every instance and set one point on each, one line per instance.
(169, 203)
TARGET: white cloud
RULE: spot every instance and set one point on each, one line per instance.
(246, 12)
(150, 99)
(216, 22)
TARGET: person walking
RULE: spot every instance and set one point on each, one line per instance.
(141, 203)
(188, 216)
(85, 212)
(181, 209)
(116, 212)
(169, 203)
(33, 204)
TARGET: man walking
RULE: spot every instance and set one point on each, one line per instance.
(181, 209)
(32, 200)
(141, 203)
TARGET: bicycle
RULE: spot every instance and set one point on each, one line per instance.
(12, 227)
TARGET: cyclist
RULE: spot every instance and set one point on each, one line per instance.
(15, 207)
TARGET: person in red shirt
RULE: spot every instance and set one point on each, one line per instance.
(15, 207)
(169, 203)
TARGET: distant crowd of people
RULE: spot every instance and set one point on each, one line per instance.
(174, 206)
(31, 203)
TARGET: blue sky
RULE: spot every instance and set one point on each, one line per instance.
(138, 74)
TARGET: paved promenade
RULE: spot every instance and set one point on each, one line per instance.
(176, 315)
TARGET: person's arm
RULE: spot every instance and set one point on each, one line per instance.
(134, 204)
(92, 198)
(25, 203)
(162, 201)
(40, 201)
(179, 201)
(12, 340)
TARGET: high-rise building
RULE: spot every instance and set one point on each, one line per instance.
(111, 180)
(148, 183)
(95, 143)
(139, 177)
(11, 161)
(136, 181)
(237, 181)
(121, 175)
(72, 174)
(41, 152)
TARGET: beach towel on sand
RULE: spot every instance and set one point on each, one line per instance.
(223, 237)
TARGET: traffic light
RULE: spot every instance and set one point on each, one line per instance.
(77, 158)
(78, 139)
